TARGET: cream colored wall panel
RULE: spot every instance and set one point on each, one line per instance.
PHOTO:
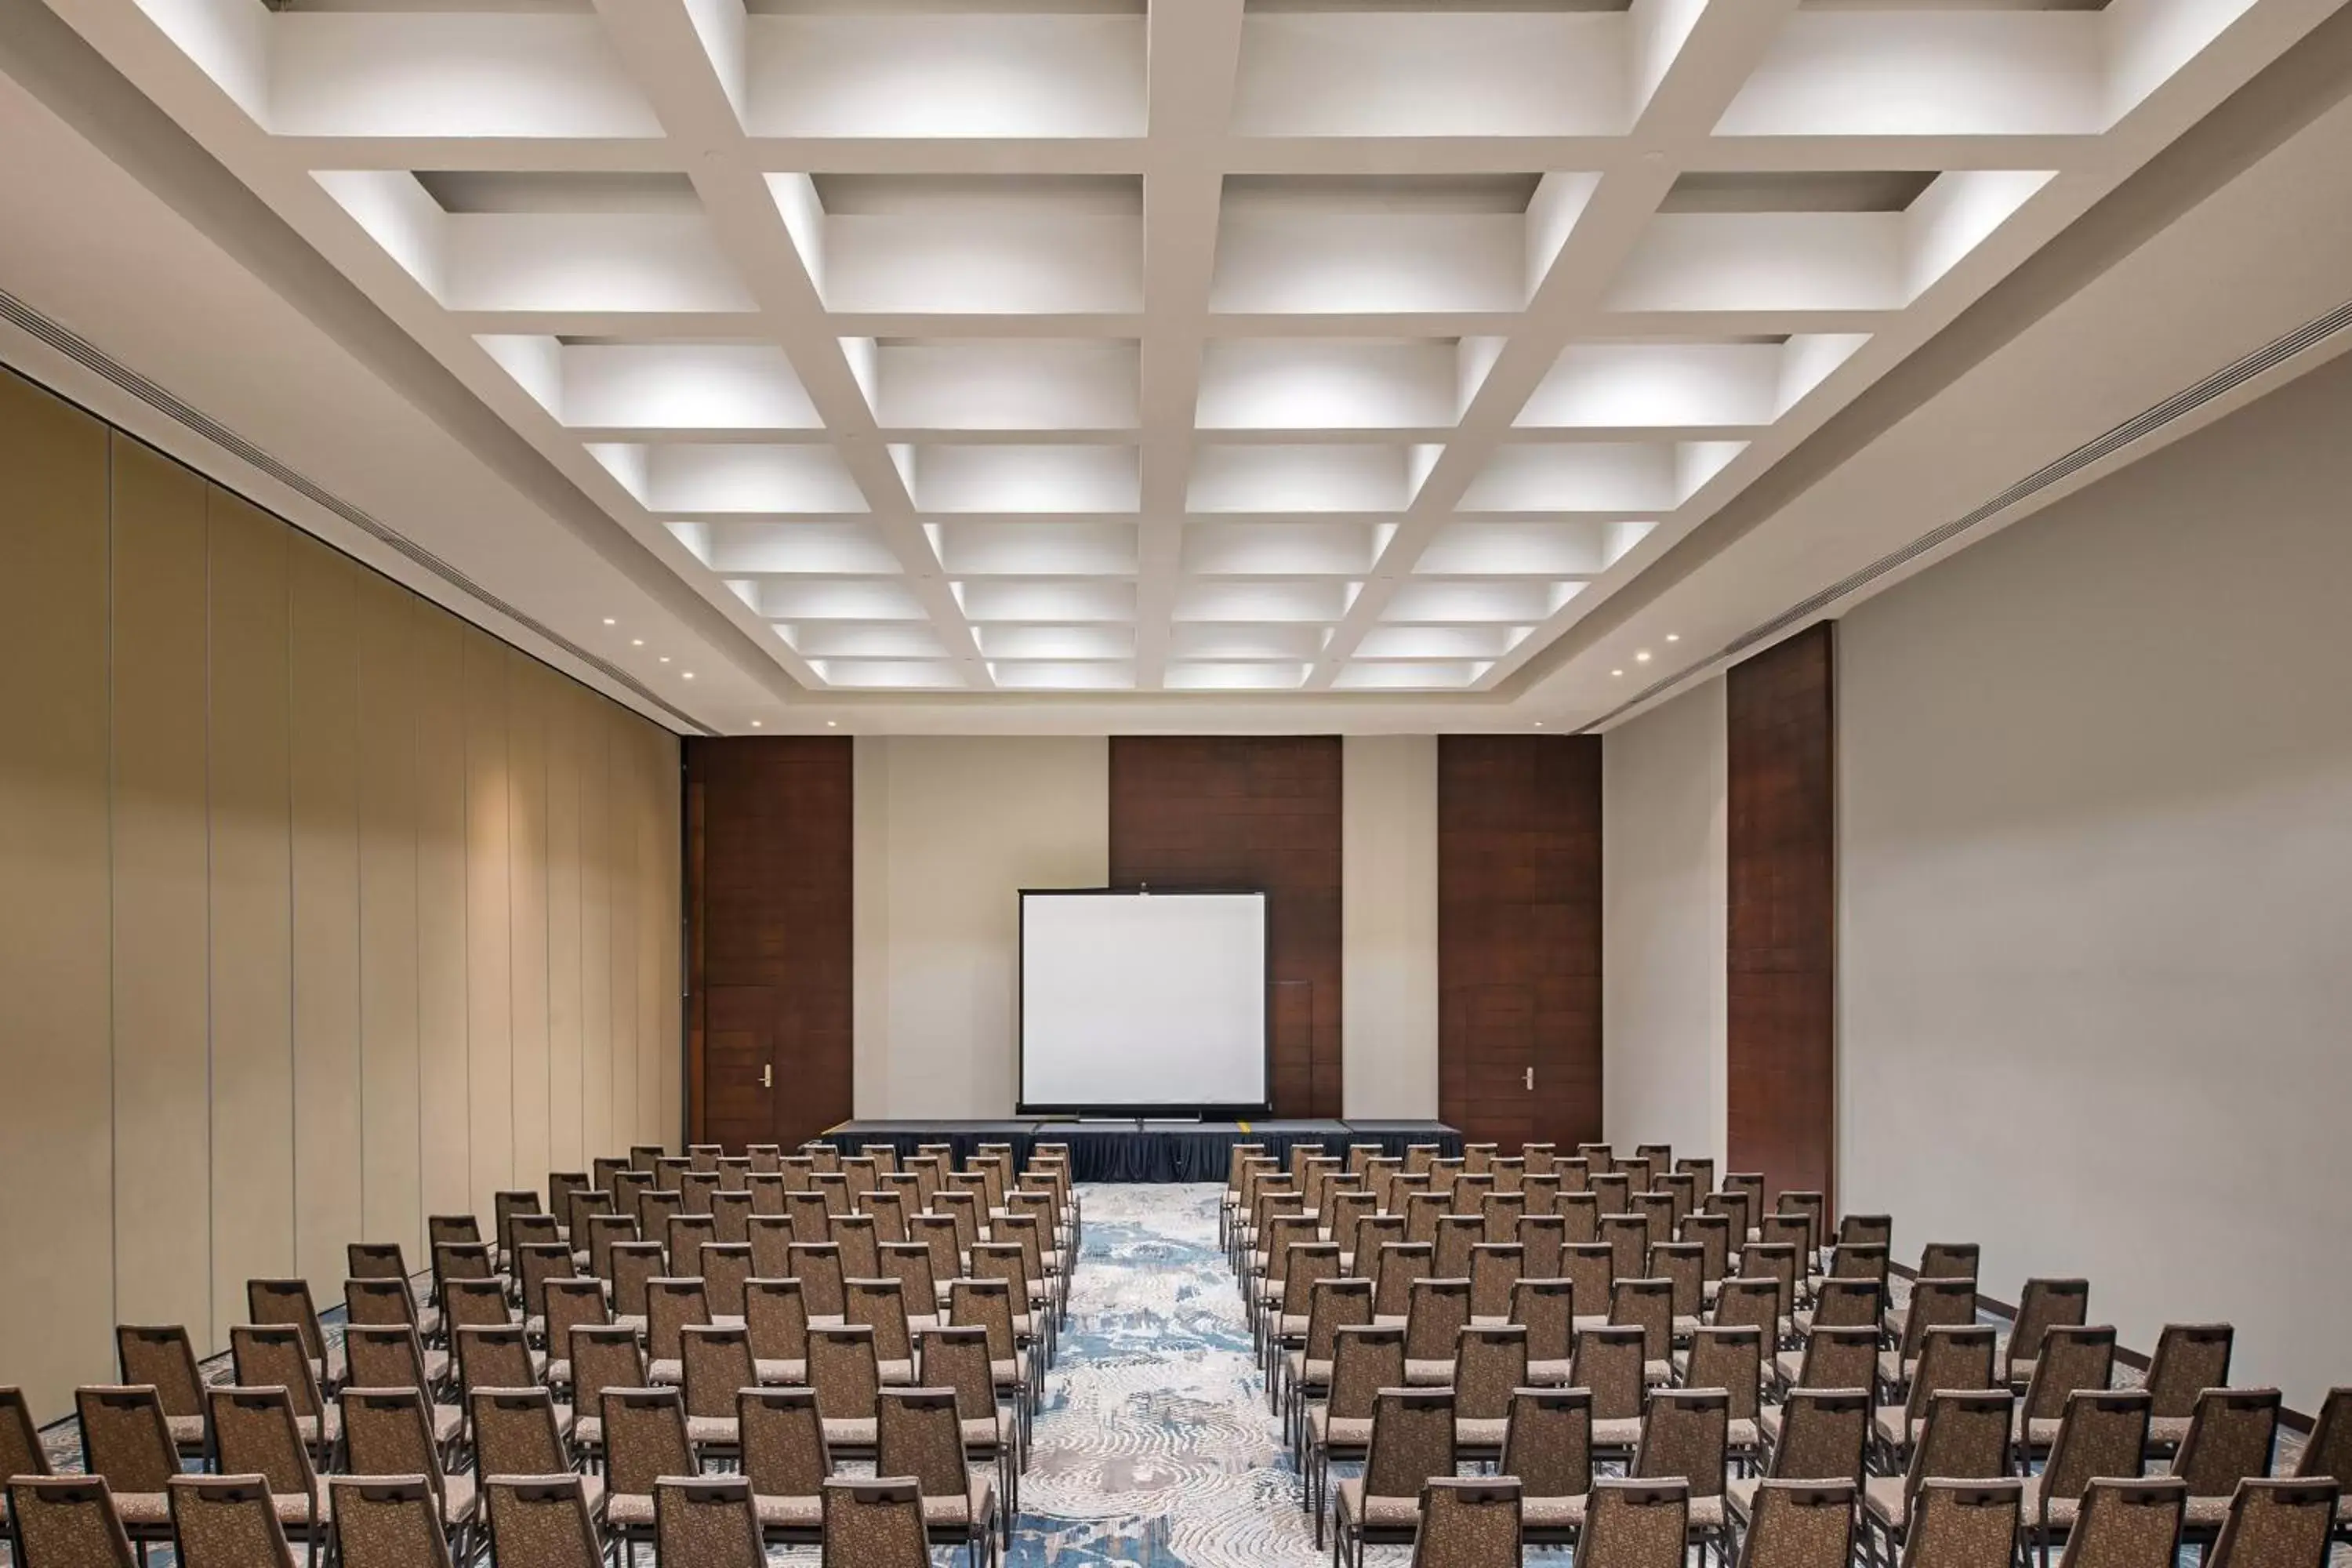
(597, 1130)
(1665, 992)
(566, 705)
(652, 863)
(56, 1155)
(489, 994)
(444, 1093)
(669, 801)
(252, 931)
(1388, 924)
(329, 1130)
(620, 825)
(163, 1066)
(391, 1184)
(966, 821)
(528, 684)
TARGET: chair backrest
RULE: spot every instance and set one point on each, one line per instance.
(494, 1358)
(1592, 1268)
(388, 1521)
(1364, 1360)
(1334, 1304)
(1776, 1261)
(1951, 1260)
(635, 1264)
(67, 1520)
(1434, 1318)
(715, 1363)
(957, 1359)
(1685, 1434)
(1730, 1358)
(1490, 1360)
(160, 1355)
(1683, 1264)
(1750, 1303)
(1579, 1214)
(1608, 1363)
(2128, 1524)
(537, 1262)
(1799, 1524)
(226, 1522)
(2274, 1522)
(377, 1290)
(514, 1432)
(1843, 1301)
(288, 1301)
(706, 1521)
(1954, 1357)
(876, 1524)
(684, 1239)
(765, 1189)
(1636, 1524)
(1548, 1445)
(1657, 1211)
(2103, 1433)
(2327, 1451)
(573, 1303)
(254, 1434)
(1627, 1236)
(389, 1432)
(817, 1266)
(2074, 1357)
(21, 1452)
(1938, 1303)
(881, 1305)
(2041, 1305)
(919, 1432)
(1648, 1305)
(1494, 1268)
(1457, 1235)
(1401, 1266)
(474, 1303)
(1956, 1523)
(645, 1438)
(1964, 1437)
(861, 1256)
(268, 1354)
(1540, 1237)
(384, 1355)
(541, 1521)
(725, 1265)
(2233, 1437)
(1413, 1440)
(1546, 1309)
(1468, 1524)
(2189, 1359)
(604, 1355)
(1839, 1357)
(782, 1441)
(1711, 1235)
(843, 1371)
(989, 1304)
(1859, 1260)
(1824, 1433)
(1422, 1213)
(776, 1318)
(1598, 1157)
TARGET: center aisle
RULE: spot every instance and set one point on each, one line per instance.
(1155, 1446)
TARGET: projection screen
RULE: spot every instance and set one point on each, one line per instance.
(1142, 1002)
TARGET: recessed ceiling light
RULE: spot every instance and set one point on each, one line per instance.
(1539, 724)
(1616, 672)
(1674, 637)
(690, 675)
(609, 621)
(636, 642)
(833, 723)
(665, 659)
(1643, 656)
(755, 723)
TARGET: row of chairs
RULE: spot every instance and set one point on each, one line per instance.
(504, 1369)
(1491, 1332)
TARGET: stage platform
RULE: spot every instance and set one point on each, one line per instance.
(1127, 1151)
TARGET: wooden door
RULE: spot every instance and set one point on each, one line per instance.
(739, 1065)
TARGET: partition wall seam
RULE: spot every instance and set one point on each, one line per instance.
(113, 936)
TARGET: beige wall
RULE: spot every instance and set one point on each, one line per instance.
(1388, 926)
(948, 828)
(2096, 893)
(320, 909)
(1663, 997)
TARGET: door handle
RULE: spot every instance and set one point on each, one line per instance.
(1531, 1077)
(767, 1075)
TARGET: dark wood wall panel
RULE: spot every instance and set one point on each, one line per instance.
(1781, 746)
(1518, 936)
(769, 937)
(1207, 811)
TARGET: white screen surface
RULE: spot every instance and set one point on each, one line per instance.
(1132, 999)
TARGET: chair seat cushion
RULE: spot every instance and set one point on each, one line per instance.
(1481, 1433)
(630, 1510)
(1893, 1426)
(1340, 1432)
(146, 1510)
(665, 1373)
(1617, 1432)
(2166, 1431)
(187, 1432)
(1741, 1434)
(1894, 1369)
(898, 1372)
(1376, 1512)
(849, 1432)
(1305, 1374)
(1292, 1326)
(1656, 1373)
(2062, 1509)
(1429, 1374)
(1882, 1499)
(960, 1510)
(985, 1433)
(789, 1513)
(786, 1373)
(1552, 1512)
(1549, 1373)
(716, 1431)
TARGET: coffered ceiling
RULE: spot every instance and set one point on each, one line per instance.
(1273, 348)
